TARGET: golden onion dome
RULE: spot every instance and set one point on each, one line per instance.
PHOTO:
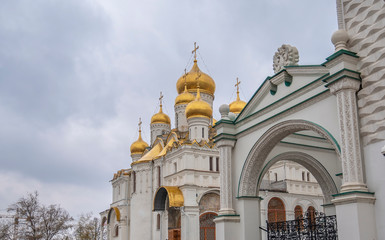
(185, 97)
(237, 106)
(160, 117)
(198, 107)
(139, 145)
(206, 83)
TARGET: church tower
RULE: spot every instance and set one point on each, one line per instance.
(181, 102)
(199, 114)
(160, 123)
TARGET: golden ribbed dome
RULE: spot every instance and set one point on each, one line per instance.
(139, 145)
(206, 83)
(185, 97)
(160, 117)
(198, 107)
(237, 106)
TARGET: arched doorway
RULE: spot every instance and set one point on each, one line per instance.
(208, 208)
(276, 210)
(207, 226)
(257, 163)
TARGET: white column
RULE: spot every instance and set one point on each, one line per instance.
(190, 223)
(226, 194)
(345, 90)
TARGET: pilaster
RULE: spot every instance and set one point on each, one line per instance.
(344, 84)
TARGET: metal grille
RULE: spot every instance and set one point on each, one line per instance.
(207, 226)
(311, 226)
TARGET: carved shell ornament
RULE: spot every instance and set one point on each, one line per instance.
(286, 55)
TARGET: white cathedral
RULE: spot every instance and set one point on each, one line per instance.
(213, 180)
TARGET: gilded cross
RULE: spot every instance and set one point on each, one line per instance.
(195, 50)
(197, 78)
(160, 98)
(237, 85)
(140, 124)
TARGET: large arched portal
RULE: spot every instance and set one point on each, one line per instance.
(257, 159)
(169, 199)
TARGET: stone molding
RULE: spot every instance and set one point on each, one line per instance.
(319, 172)
(259, 152)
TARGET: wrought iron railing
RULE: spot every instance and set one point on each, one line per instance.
(311, 226)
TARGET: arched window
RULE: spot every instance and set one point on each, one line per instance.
(211, 163)
(158, 221)
(159, 180)
(311, 213)
(116, 232)
(203, 133)
(276, 210)
(298, 212)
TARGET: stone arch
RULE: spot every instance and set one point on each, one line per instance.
(209, 201)
(310, 163)
(248, 181)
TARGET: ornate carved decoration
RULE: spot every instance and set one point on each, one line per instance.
(286, 55)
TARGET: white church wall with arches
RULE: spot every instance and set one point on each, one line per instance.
(328, 118)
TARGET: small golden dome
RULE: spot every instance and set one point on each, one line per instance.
(237, 106)
(206, 83)
(139, 145)
(185, 97)
(198, 107)
(160, 117)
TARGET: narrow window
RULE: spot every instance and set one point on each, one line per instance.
(303, 176)
(276, 177)
(116, 230)
(203, 133)
(134, 181)
(308, 177)
(158, 221)
(158, 176)
(217, 162)
(175, 167)
(211, 163)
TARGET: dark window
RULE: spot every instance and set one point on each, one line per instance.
(158, 176)
(158, 221)
(308, 177)
(211, 163)
(116, 230)
(217, 162)
(203, 133)
(276, 177)
(303, 176)
(134, 181)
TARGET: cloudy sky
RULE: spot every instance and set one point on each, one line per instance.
(75, 76)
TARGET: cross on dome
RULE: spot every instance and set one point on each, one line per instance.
(195, 50)
(160, 99)
(140, 124)
(237, 85)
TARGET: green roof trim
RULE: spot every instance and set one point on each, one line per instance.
(339, 53)
(352, 192)
(250, 197)
(305, 145)
(339, 174)
(299, 66)
(279, 100)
